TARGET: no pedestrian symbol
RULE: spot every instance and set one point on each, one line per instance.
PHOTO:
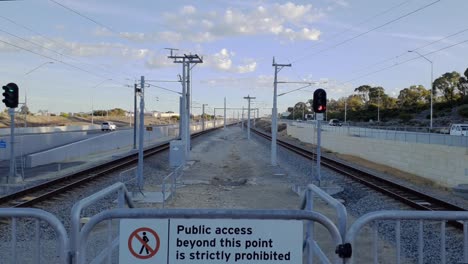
(144, 243)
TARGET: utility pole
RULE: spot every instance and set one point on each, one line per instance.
(203, 116)
(242, 121)
(378, 110)
(214, 119)
(248, 115)
(274, 114)
(224, 113)
(188, 62)
(140, 179)
(345, 109)
(135, 91)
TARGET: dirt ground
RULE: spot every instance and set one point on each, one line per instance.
(230, 172)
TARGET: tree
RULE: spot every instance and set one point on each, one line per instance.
(415, 95)
(300, 108)
(355, 102)
(463, 84)
(375, 94)
(363, 91)
(447, 84)
(24, 110)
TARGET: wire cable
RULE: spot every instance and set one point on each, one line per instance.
(406, 53)
(79, 60)
(51, 58)
(166, 89)
(84, 16)
(363, 22)
(403, 62)
(366, 32)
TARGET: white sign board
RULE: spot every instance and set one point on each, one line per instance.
(319, 116)
(211, 241)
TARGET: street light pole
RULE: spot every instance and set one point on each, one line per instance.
(432, 80)
(26, 91)
(92, 99)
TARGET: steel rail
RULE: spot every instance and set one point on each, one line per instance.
(51, 189)
(404, 194)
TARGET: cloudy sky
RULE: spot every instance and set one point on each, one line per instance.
(99, 47)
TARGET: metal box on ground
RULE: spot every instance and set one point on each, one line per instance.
(176, 153)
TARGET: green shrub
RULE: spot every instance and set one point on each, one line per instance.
(463, 110)
(405, 117)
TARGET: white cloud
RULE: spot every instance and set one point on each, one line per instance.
(223, 61)
(250, 67)
(287, 21)
(188, 9)
(78, 49)
(293, 12)
(158, 61)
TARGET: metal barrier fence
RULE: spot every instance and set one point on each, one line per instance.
(204, 214)
(39, 215)
(172, 178)
(308, 204)
(122, 197)
(420, 216)
(393, 134)
(129, 175)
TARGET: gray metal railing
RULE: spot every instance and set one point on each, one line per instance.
(122, 197)
(172, 180)
(39, 215)
(420, 216)
(128, 175)
(308, 204)
(205, 214)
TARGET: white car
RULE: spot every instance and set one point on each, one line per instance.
(108, 126)
(459, 130)
(334, 122)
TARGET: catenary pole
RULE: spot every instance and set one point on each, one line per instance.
(135, 90)
(141, 134)
(248, 115)
(224, 113)
(274, 114)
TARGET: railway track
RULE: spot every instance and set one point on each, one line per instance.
(406, 195)
(51, 189)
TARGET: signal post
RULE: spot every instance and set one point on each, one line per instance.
(319, 105)
(10, 100)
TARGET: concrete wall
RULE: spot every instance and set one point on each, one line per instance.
(31, 130)
(444, 165)
(27, 144)
(105, 144)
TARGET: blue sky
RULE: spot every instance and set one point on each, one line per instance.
(237, 40)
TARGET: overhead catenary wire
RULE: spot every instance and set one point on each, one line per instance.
(84, 16)
(54, 59)
(416, 49)
(79, 60)
(162, 88)
(363, 22)
(403, 62)
(303, 57)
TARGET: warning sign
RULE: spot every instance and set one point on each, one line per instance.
(141, 237)
(235, 241)
(143, 241)
(180, 241)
